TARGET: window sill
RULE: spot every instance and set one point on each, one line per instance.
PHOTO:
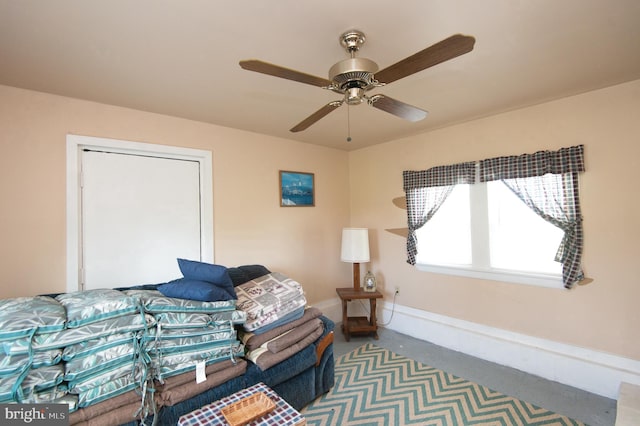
(540, 280)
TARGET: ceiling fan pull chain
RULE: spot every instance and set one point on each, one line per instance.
(348, 123)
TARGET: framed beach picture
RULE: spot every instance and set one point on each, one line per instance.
(296, 189)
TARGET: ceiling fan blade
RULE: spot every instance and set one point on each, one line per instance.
(278, 71)
(397, 108)
(448, 48)
(316, 116)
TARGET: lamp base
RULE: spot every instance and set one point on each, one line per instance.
(356, 277)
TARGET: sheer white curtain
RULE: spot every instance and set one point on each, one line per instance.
(426, 190)
(422, 204)
(547, 182)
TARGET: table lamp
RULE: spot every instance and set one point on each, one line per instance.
(355, 249)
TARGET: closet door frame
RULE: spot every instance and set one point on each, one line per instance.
(75, 145)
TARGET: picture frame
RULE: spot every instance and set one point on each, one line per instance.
(297, 189)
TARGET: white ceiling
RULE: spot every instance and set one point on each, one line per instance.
(180, 57)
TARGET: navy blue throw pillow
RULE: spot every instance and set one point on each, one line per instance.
(201, 271)
(194, 290)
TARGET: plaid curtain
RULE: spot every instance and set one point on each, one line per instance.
(425, 191)
(547, 182)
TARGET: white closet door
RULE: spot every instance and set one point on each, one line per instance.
(139, 213)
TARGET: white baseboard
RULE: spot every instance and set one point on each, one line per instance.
(593, 371)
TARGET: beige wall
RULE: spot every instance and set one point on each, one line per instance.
(250, 226)
(357, 189)
(603, 315)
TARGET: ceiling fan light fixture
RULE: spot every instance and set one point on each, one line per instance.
(354, 96)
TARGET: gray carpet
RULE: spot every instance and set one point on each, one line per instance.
(586, 407)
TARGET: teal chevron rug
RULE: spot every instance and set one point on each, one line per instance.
(375, 386)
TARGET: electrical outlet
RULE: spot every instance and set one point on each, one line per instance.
(397, 290)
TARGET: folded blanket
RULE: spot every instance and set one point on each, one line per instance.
(293, 336)
(190, 377)
(265, 359)
(121, 415)
(269, 298)
(254, 341)
(296, 314)
(190, 389)
(111, 404)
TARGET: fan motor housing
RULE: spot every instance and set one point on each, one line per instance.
(353, 72)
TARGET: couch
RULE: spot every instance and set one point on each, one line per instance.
(299, 378)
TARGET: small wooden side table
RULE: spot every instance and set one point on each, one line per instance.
(357, 325)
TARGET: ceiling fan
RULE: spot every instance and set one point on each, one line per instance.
(354, 77)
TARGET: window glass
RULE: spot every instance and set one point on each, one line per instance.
(519, 238)
(486, 231)
(446, 238)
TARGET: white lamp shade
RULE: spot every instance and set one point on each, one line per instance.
(355, 245)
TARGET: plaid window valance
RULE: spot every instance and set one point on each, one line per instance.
(455, 174)
(565, 160)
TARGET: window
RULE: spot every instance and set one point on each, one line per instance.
(484, 230)
(508, 218)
